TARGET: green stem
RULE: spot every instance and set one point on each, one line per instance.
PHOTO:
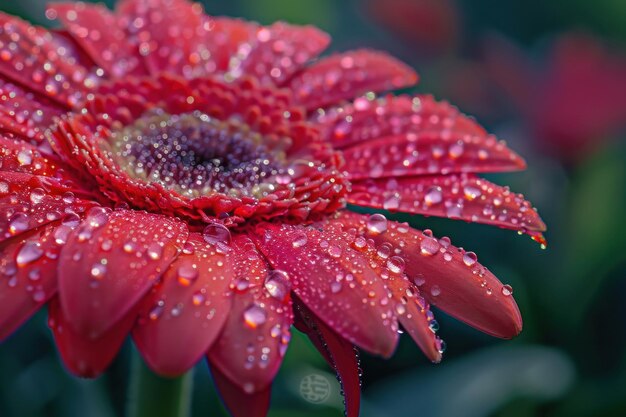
(151, 395)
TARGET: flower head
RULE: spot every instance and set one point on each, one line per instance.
(185, 179)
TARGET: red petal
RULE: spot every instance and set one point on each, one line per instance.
(40, 63)
(23, 114)
(339, 354)
(256, 335)
(224, 39)
(110, 262)
(238, 402)
(365, 120)
(29, 201)
(412, 311)
(334, 281)
(464, 197)
(183, 315)
(428, 153)
(29, 276)
(344, 76)
(280, 50)
(170, 33)
(84, 356)
(100, 33)
(447, 277)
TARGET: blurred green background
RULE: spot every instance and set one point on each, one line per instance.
(550, 78)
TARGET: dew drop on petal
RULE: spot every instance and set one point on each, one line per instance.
(469, 258)
(186, 274)
(299, 240)
(377, 223)
(395, 264)
(277, 284)
(507, 290)
(254, 316)
(30, 252)
(216, 233)
(429, 246)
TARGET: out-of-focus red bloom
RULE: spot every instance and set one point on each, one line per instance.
(573, 101)
(184, 179)
(428, 25)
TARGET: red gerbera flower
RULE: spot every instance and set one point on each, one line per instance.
(184, 179)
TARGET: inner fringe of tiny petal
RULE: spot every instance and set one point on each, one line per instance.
(195, 155)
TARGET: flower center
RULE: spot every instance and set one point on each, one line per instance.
(195, 154)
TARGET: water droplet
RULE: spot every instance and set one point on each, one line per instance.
(30, 252)
(25, 157)
(277, 284)
(429, 246)
(254, 316)
(157, 310)
(377, 223)
(395, 264)
(334, 251)
(215, 233)
(197, 298)
(335, 287)
(435, 290)
(98, 270)
(37, 195)
(155, 251)
(18, 223)
(507, 290)
(471, 192)
(186, 274)
(433, 196)
(299, 240)
(469, 258)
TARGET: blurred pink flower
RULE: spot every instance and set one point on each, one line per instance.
(573, 101)
(428, 25)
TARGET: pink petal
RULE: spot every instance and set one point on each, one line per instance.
(344, 76)
(28, 202)
(82, 355)
(25, 115)
(40, 63)
(224, 40)
(28, 276)
(340, 354)
(170, 34)
(447, 276)
(183, 315)
(365, 120)
(464, 197)
(429, 153)
(279, 51)
(110, 262)
(254, 340)
(334, 281)
(238, 402)
(410, 308)
(100, 33)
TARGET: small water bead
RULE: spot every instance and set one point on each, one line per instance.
(469, 258)
(429, 246)
(186, 274)
(507, 290)
(335, 287)
(71, 219)
(377, 223)
(335, 251)
(440, 345)
(299, 240)
(198, 298)
(384, 251)
(392, 202)
(68, 197)
(275, 331)
(98, 270)
(419, 280)
(359, 242)
(37, 195)
(400, 309)
(157, 310)
(97, 217)
(18, 223)
(30, 252)
(471, 193)
(254, 316)
(433, 196)
(34, 274)
(433, 325)
(216, 233)
(39, 296)
(277, 284)
(155, 251)
(106, 245)
(25, 157)
(447, 256)
(435, 290)
(4, 187)
(396, 264)
(130, 247)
